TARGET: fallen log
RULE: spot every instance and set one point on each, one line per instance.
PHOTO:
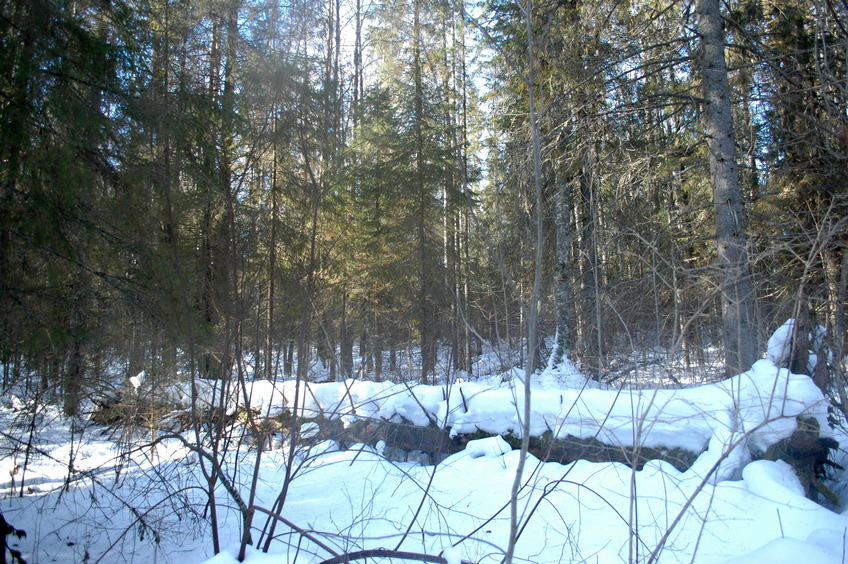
(570, 449)
(438, 443)
(805, 450)
(398, 435)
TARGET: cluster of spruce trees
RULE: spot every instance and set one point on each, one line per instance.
(192, 183)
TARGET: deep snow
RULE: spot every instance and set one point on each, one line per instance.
(724, 508)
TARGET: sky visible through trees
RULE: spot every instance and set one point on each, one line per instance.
(184, 179)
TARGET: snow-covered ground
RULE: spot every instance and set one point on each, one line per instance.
(128, 502)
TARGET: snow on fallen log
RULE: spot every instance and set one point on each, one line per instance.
(727, 421)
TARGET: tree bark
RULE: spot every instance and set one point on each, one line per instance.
(270, 373)
(737, 295)
(425, 325)
(562, 290)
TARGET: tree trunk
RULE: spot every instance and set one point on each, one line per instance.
(346, 344)
(424, 327)
(270, 373)
(288, 362)
(562, 290)
(378, 347)
(590, 335)
(737, 295)
(393, 356)
(74, 374)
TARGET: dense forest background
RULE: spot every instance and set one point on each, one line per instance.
(198, 188)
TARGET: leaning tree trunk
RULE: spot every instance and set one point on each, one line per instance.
(737, 301)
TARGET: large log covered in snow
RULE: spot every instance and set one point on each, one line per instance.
(804, 449)
(710, 432)
(437, 443)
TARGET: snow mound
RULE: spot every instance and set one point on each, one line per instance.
(490, 447)
(819, 547)
(776, 480)
(780, 343)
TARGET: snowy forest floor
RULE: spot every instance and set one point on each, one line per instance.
(87, 493)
